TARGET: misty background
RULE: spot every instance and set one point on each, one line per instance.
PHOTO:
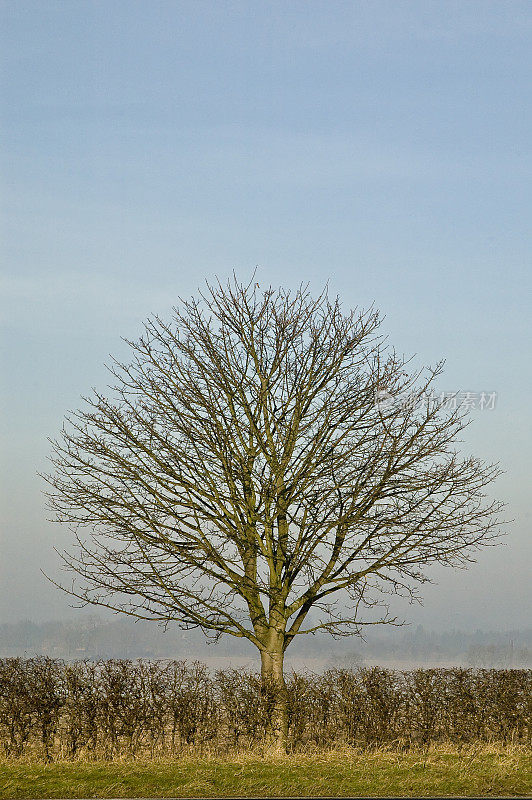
(93, 638)
(382, 147)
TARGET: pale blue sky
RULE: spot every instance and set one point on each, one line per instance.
(381, 146)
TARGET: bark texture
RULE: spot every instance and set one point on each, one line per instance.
(275, 694)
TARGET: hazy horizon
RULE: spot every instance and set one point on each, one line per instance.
(396, 648)
(382, 148)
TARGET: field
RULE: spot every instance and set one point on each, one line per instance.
(115, 729)
(437, 771)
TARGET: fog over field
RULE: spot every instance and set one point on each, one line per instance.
(396, 648)
(384, 148)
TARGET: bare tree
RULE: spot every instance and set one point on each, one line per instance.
(262, 455)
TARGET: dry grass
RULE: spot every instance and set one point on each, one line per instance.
(153, 729)
(439, 770)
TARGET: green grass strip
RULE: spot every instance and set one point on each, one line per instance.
(380, 774)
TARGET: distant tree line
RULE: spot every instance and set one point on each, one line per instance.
(95, 638)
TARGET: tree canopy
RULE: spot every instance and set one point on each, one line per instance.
(264, 454)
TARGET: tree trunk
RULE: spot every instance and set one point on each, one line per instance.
(275, 695)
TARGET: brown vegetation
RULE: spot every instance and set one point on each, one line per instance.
(122, 709)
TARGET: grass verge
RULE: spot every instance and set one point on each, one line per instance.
(438, 771)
